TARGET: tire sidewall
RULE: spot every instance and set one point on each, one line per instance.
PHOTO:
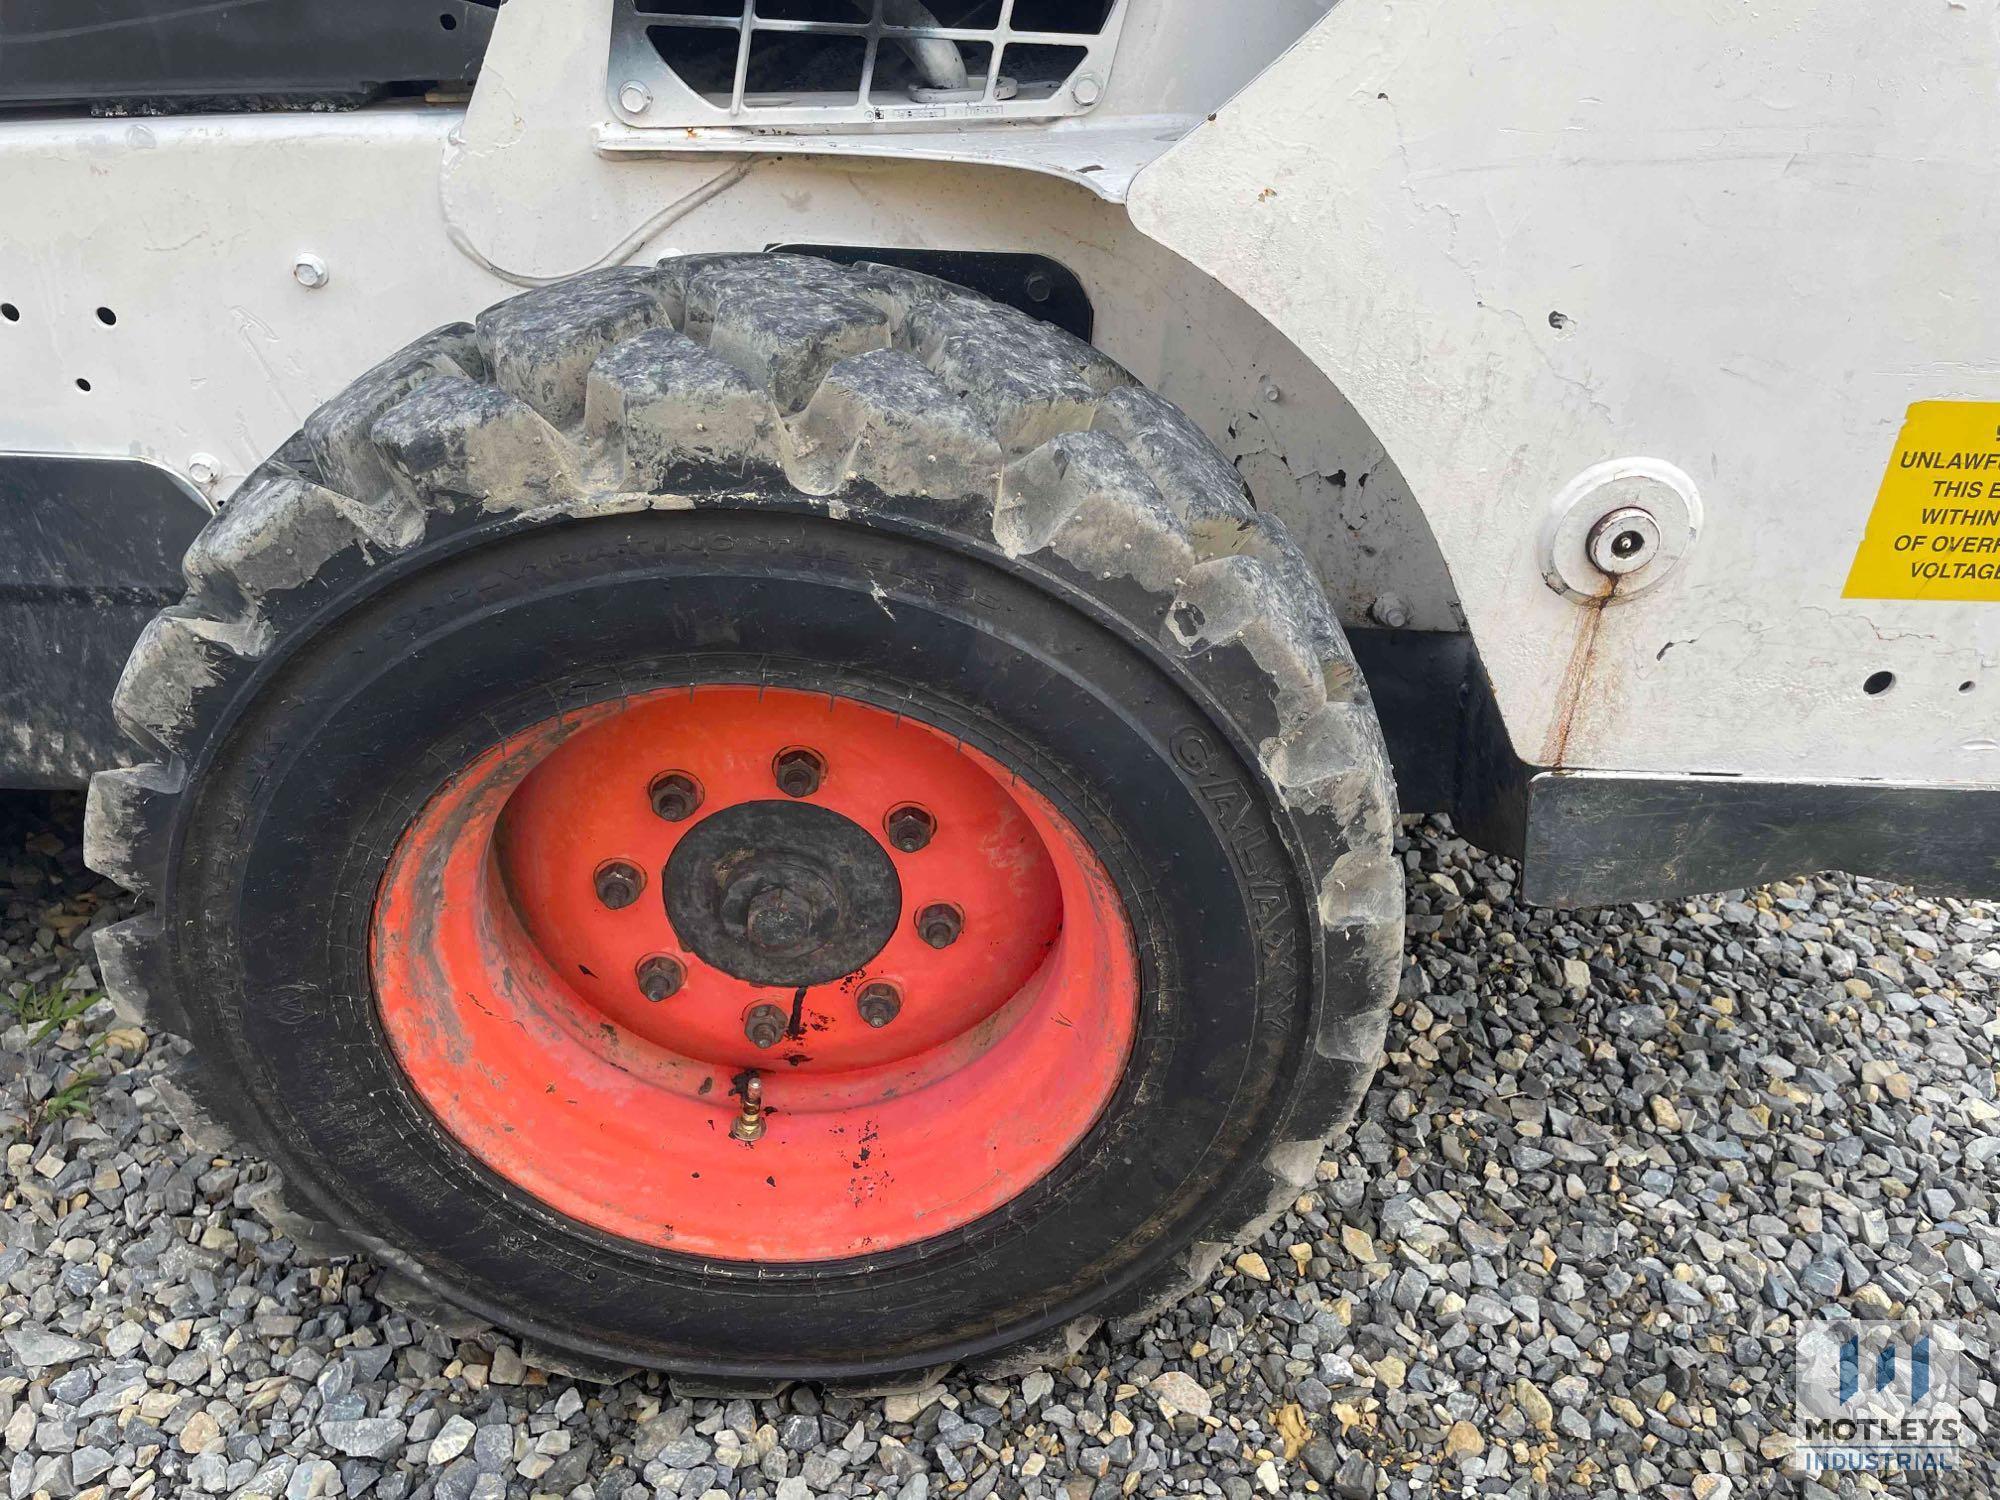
(345, 733)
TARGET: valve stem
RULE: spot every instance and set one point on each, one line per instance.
(749, 1125)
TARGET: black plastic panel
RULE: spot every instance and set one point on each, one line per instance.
(152, 56)
(90, 550)
(1596, 839)
(1040, 287)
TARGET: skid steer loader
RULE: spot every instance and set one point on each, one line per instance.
(811, 791)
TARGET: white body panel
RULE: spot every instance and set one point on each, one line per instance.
(188, 230)
(1761, 253)
(1767, 231)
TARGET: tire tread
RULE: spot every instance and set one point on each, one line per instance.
(874, 389)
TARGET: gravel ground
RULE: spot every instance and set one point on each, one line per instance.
(1612, 1158)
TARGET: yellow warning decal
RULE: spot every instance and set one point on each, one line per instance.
(1935, 529)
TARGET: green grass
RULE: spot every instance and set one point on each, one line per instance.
(73, 1098)
(53, 1008)
(49, 1009)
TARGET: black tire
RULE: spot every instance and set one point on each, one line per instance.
(847, 476)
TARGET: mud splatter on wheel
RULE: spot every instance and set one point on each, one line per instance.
(763, 819)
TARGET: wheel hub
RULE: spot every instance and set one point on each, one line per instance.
(754, 974)
(784, 893)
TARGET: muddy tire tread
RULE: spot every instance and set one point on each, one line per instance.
(875, 393)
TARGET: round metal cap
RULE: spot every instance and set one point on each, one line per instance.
(782, 893)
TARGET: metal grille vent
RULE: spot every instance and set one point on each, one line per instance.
(843, 63)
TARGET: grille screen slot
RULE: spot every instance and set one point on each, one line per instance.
(1039, 69)
(1061, 15)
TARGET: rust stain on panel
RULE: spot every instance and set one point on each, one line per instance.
(1573, 694)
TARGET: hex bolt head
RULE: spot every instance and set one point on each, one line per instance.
(909, 827)
(661, 977)
(310, 272)
(1087, 89)
(798, 772)
(675, 795)
(1390, 610)
(878, 1003)
(634, 97)
(764, 1025)
(939, 924)
(619, 883)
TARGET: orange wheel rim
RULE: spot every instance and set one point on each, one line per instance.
(583, 949)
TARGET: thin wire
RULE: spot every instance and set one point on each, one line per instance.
(621, 252)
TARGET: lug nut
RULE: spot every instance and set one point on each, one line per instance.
(878, 1003)
(939, 924)
(798, 772)
(660, 977)
(675, 795)
(619, 883)
(765, 1026)
(909, 827)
